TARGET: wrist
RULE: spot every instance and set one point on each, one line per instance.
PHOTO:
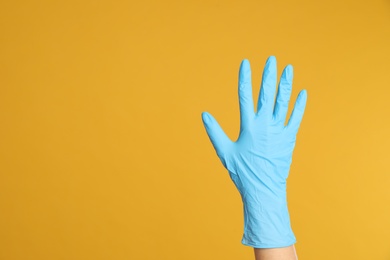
(267, 223)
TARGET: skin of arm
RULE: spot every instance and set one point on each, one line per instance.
(283, 253)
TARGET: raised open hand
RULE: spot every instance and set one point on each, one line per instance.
(259, 161)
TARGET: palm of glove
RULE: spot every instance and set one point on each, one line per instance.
(261, 156)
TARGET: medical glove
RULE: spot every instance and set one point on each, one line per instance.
(259, 161)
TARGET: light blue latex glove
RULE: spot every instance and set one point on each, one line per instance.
(259, 161)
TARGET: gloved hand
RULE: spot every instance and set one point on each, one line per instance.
(259, 161)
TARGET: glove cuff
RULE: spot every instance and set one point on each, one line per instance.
(267, 224)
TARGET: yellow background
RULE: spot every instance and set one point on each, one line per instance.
(103, 154)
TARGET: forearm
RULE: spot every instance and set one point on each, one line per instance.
(282, 253)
